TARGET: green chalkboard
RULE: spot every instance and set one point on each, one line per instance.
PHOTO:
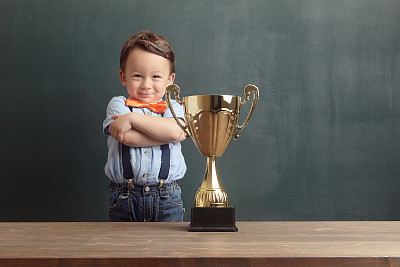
(324, 140)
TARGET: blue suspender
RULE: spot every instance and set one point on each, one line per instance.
(126, 162)
(165, 157)
(127, 167)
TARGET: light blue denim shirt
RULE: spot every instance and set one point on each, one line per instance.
(145, 161)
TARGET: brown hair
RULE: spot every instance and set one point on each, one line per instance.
(150, 42)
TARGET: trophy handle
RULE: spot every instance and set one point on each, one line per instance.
(247, 90)
(175, 88)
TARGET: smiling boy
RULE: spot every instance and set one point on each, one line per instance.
(145, 160)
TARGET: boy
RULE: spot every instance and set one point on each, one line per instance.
(145, 160)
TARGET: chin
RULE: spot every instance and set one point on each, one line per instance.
(145, 98)
(148, 99)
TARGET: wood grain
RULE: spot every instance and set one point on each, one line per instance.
(256, 243)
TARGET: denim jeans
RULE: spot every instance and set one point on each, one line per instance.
(145, 203)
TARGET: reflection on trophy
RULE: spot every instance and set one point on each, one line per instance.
(211, 122)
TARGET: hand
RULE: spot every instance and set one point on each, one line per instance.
(120, 126)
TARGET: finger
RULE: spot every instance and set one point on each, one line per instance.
(111, 130)
(117, 137)
(121, 138)
(114, 134)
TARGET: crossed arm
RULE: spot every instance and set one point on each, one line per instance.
(139, 130)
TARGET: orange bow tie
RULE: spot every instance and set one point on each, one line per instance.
(157, 107)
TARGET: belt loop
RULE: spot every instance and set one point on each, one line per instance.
(160, 184)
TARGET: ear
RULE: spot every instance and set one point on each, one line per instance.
(122, 77)
(171, 78)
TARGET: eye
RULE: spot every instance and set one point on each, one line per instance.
(156, 76)
(137, 76)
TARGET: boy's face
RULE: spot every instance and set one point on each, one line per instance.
(146, 75)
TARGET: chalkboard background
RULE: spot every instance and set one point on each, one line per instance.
(323, 143)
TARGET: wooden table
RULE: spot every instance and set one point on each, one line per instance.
(155, 244)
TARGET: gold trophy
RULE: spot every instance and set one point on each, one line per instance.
(212, 121)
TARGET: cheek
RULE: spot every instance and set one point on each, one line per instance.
(132, 84)
(161, 90)
(131, 87)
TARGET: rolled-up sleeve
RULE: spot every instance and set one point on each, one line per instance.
(115, 106)
(178, 109)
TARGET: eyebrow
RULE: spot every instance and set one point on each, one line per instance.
(155, 72)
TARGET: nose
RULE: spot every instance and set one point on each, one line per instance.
(146, 83)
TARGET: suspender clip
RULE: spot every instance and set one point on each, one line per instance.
(130, 183)
(160, 184)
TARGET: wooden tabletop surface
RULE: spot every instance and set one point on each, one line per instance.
(298, 243)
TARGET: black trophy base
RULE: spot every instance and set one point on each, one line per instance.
(213, 220)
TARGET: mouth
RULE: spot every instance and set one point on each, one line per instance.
(145, 95)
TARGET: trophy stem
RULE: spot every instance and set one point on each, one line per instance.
(211, 193)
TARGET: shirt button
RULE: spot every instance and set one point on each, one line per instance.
(148, 113)
(145, 175)
(146, 153)
(147, 189)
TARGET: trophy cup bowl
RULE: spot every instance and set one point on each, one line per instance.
(211, 121)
